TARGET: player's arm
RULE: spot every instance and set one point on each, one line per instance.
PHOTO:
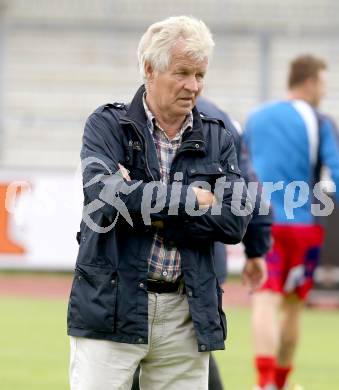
(329, 150)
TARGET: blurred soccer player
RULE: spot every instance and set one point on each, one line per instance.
(289, 140)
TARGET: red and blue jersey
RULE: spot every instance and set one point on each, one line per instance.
(288, 141)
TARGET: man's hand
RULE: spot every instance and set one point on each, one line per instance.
(254, 274)
(205, 198)
(124, 172)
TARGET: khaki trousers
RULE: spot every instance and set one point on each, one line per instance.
(170, 360)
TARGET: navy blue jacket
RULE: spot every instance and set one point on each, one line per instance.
(109, 293)
(257, 239)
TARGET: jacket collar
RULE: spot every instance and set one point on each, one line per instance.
(193, 140)
(135, 111)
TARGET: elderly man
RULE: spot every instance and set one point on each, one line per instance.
(159, 189)
(257, 240)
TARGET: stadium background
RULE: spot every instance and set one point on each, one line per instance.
(59, 60)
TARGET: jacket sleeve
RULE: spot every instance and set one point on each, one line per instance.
(229, 224)
(105, 189)
(257, 239)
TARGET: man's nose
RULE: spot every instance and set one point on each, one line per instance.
(192, 84)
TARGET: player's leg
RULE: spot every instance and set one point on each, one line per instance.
(265, 329)
(290, 329)
(289, 337)
(265, 309)
(306, 242)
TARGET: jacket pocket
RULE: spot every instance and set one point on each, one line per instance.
(205, 173)
(93, 298)
(223, 321)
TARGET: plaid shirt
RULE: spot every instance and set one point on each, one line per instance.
(164, 261)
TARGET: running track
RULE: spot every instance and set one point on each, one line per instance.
(58, 287)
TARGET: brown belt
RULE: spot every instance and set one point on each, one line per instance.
(160, 286)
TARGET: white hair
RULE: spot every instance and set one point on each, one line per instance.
(156, 44)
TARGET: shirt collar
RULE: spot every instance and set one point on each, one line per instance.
(153, 125)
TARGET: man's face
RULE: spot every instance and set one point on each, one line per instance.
(175, 90)
(318, 88)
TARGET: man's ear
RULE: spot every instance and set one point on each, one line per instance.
(310, 84)
(149, 71)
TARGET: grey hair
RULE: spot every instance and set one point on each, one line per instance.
(156, 44)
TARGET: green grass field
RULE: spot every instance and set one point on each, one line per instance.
(34, 348)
